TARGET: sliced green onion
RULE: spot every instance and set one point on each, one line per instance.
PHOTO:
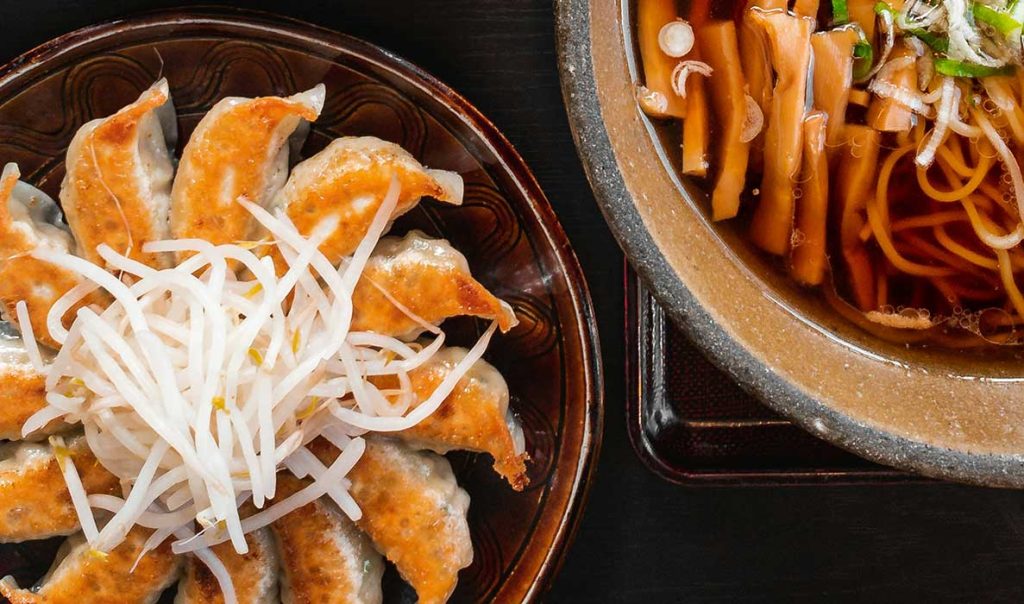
(934, 41)
(962, 69)
(864, 59)
(840, 13)
(1002, 22)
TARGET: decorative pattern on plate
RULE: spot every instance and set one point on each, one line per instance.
(506, 229)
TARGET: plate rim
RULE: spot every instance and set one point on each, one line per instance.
(512, 163)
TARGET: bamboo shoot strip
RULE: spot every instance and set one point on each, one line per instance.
(854, 179)
(757, 67)
(809, 261)
(720, 48)
(790, 40)
(833, 76)
(889, 112)
(652, 15)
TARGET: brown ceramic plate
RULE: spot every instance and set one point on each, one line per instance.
(506, 228)
(955, 416)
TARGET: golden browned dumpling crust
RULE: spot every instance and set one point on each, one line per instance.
(85, 576)
(253, 574)
(325, 559)
(239, 149)
(427, 277)
(349, 179)
(474, 417)
(34, 500)
(117, 188)
(414, 512)
(22, 393)
(23, 277)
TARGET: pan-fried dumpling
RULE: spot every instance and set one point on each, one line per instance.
(81, 576)
(29, 221)
(324, 557)
(118, 184)
(22, 388)
(253, 575)
(474, 417)
(239, 149)
(430, 278)
(34, 500)
(349, 179)
(414, 512)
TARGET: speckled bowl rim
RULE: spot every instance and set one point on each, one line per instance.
(579, 91)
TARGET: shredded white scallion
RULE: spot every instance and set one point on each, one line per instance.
(753, 121)
(911, 99)
(889, 29)
(683, 71)
(949, 106)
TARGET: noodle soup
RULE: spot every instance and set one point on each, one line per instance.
(870, 148)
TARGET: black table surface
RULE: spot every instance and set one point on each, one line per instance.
(641, 539)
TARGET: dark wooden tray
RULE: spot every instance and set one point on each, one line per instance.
(691, 424)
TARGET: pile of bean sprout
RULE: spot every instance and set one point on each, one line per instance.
(196, 385)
